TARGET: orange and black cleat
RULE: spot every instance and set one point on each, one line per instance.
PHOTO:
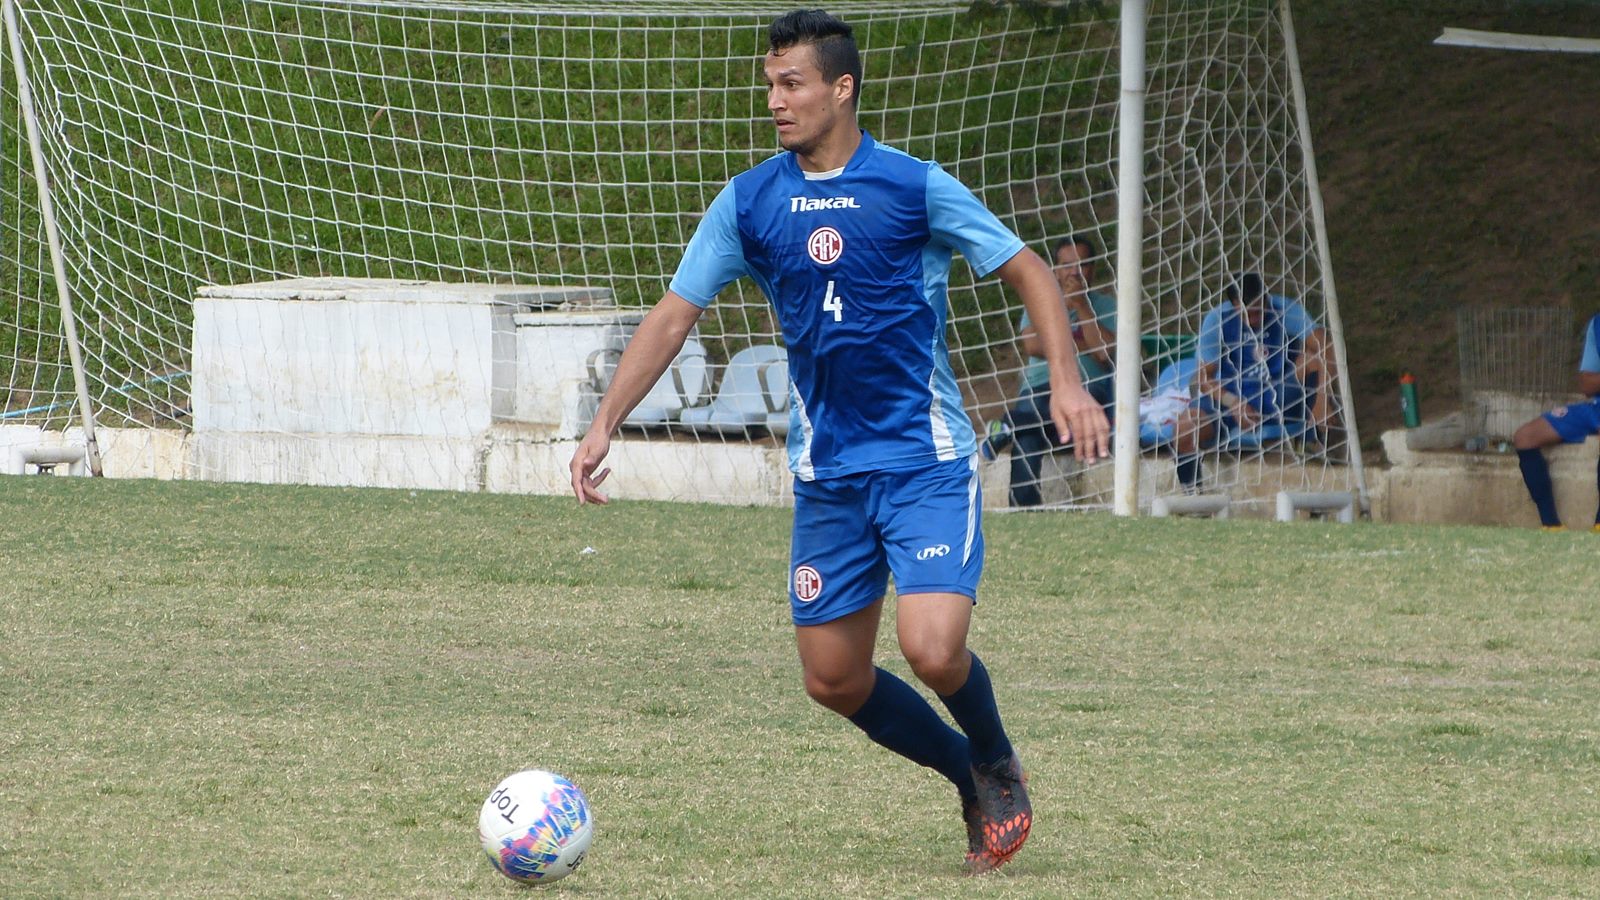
(1003, 814)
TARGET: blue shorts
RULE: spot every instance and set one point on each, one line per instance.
(923, 525)
(1575, 422)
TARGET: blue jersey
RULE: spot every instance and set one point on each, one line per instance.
(1591, 347)
(856, 265)
(1253, 362)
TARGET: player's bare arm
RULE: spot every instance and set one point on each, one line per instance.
(1091, 336)
(1208, 385)
(1314, 357)
(1088, 334)
(654, 345)
(1589, 383)
(1078, 418)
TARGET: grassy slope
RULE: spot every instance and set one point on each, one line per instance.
(1453, 176)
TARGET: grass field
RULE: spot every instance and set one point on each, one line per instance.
(240, 690)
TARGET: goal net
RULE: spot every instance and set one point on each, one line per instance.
(403, 243)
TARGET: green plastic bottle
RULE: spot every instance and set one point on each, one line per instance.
(1408, 401)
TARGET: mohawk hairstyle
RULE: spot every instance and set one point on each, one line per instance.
(835, 42)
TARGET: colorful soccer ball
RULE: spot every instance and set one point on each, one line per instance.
(536, 826)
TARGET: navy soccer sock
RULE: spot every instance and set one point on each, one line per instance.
(1536, 475)
(1189, 471)
(1597, 483)
(897, 717)
(975, 711)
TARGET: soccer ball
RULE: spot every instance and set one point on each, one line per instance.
(535, 826)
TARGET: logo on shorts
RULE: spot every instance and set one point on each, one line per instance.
(1559, 411)
(825, 246)
(807, 584)
(934, 552)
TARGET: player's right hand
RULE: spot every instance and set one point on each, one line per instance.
(1246, 416)
(591, 451)
(1080, 421)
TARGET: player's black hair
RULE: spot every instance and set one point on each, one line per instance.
(835, 42)
(1081, 241)
(1250, 287)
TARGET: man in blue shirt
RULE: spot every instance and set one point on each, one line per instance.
(851, 242)
(1261, 360)
(1570, 424)
(1026, 426)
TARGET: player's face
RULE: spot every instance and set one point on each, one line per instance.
(1255, 310)
(1073, 272)
(806, 107)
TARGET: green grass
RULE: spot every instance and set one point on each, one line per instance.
(266, 691)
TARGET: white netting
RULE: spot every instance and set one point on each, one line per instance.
(195, 144)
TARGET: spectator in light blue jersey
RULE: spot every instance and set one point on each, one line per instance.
(1026, 427)
(851, 241)
(1572, 424)
(1261, 360)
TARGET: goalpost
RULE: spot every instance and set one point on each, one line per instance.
(550, 160)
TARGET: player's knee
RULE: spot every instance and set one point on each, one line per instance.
(1192, 433)
(1531, 436)
(937, 665)
(842, 692)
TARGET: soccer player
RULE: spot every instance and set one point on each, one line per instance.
(1571, 424)
(851, 241)
(1262, 359)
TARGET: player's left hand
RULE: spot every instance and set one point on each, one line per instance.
(1080, 421)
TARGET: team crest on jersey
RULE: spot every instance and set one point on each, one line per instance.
(807, 583)
(825, 246)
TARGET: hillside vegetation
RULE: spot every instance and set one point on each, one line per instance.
(1452, 176)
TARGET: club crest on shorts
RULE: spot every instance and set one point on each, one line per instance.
(807, 583)
(1559, 411)
(825, 245)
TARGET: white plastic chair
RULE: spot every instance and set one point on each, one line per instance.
(683, 384)
(754, 391)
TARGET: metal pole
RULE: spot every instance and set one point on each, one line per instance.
(1130, 259)
(47, 213)
(1319, 221)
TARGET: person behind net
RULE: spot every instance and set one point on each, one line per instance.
(1026, 427)
(851, 241)
(1571, 424)
(1261, 359)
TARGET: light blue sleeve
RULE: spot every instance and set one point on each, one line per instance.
(1208, 349)
(1105, 309)
(1297, 323)
(714, 258)
(1591, 348)
(958, 219)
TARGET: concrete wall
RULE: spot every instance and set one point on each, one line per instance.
(1453, 486)
(522, 459)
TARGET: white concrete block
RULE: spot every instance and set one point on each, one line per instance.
(393, 461)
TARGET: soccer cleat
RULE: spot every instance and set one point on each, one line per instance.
(977, 858)
(1596, 527)
(1004, 808)
(997, 437)
(1558, 527)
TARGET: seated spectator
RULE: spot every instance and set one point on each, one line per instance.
(1027, 425)
(1262, 360)
(1565, 424)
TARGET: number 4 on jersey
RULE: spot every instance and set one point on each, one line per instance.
(833, 304)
